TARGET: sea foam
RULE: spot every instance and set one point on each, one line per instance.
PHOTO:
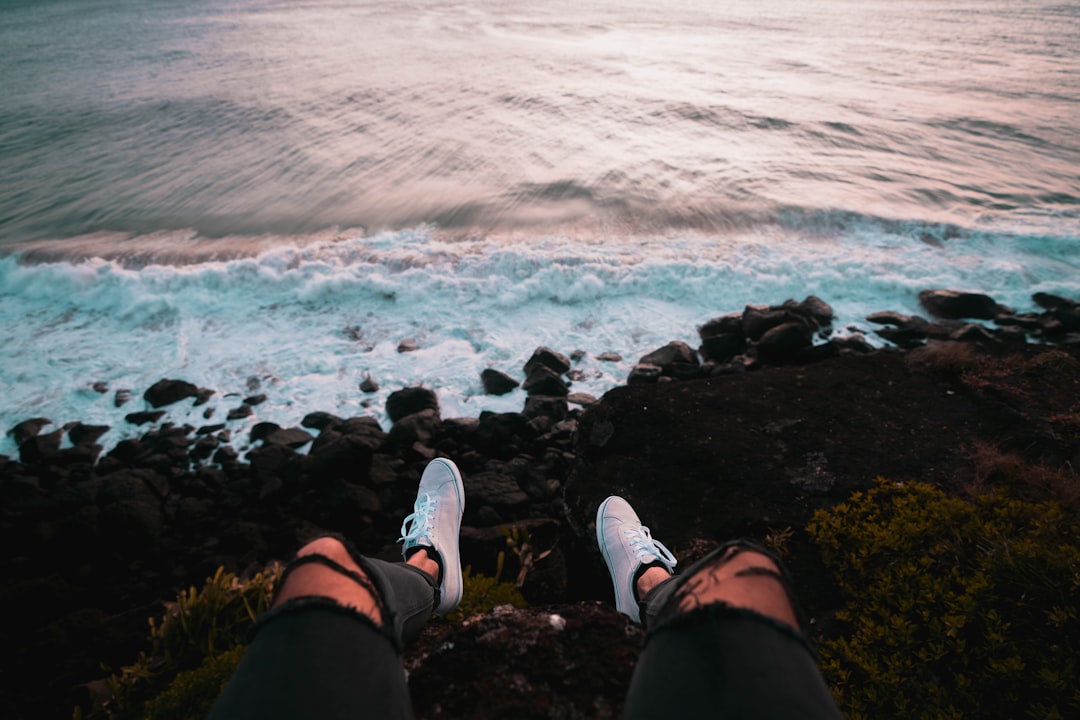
(305, 322)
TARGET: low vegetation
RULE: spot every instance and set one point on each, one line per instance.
(956, 608)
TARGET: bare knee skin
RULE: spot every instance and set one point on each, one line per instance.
(732, 582)
(314, 580)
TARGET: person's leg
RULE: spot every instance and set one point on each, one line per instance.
(723, 640)
(331, 645)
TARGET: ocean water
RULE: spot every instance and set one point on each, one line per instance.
(271, 193)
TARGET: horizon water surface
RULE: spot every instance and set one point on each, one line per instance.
(234, 189)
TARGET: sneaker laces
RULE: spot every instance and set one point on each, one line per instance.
(643, 545)
(421, 519)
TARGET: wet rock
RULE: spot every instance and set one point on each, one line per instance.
(203, 396)
(41, 448)
(208, 429)
(542, 380)
(121, 397)
(813, 308)
(367, 385)
(415, 427)
(642, 374)
(294, 438)
(546, 357)
(609, 357)
(408, 401)
(499, 433)
(974, 333)
(408, 345)
(80, 433)
(254, 400)
(721, 348)
(320, 420)
(759, 319)
(730, 324)
(260, 431)
(28, 429)
(100, 387)
(144, 417)
(783, 341)
(166, 392)
(545, 406)
(496, 382)
(957, 305)
(675, 352)
(582, 399)
(241, 412)
(1048, 301)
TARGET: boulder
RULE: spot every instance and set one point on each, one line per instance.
(142, 418)
(813, 308)
(122, 396)
(609, 357)
(643, 374)
(260, 431)
(731, 324)
(409, 401)
(241, 412)
(166, 392)
(320, 420)
(1048, 301)
(497, 382)
(41, 448)
(28, 429)
(495, 489)
(546, 357)
(542, 380)
(782, 342)
(369, 386)
(415, 427)
(759, 319)
(545, 406)
(957, 305)
(80, 433)
(722, 347)
(670, 354)
(289, 437)
(254, 400)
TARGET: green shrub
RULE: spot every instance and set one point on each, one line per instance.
(482, 594)
(192, 693)
(202, 623)
(956, 609)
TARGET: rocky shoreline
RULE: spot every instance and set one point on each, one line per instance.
(773, 416)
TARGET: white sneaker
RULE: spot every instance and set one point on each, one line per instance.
(627, 545)
(436, 523)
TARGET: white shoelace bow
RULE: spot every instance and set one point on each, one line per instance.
(643, 545)
(421, 519)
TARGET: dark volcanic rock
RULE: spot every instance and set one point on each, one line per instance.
(720, 348)
(260, 431)
(642, 374)
(666, 357)
(546, 357)
(320, 420)
(122, 396)
(542, 380)
(167, 392)
(609, 357)
(367, 385)
(142, 418)
(545, 406)
(254, 400)
(782, 342)
(239, 413)
(79, 433)
(497, 382)
(759, 319)
(28, 429)
(532, 649)
(956, 305)
(41, 448)
(731, 324)
(408, 401)
(290, 437)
